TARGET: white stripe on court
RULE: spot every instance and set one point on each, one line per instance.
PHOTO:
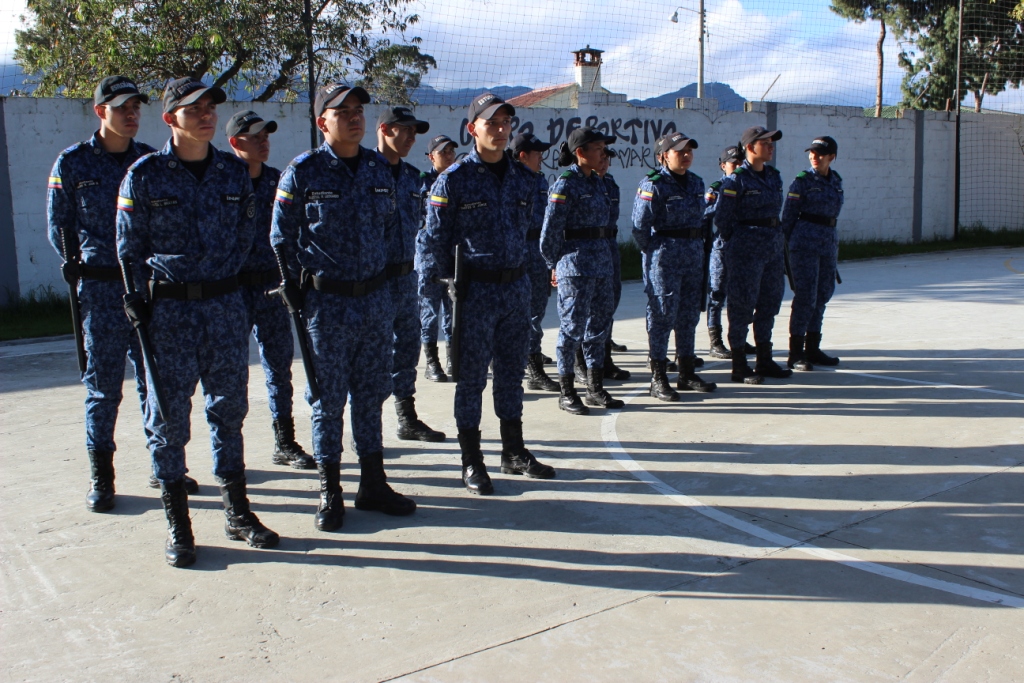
(614, 448)
(940, 385)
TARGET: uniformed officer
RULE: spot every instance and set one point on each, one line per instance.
(185, 223)
(611, 370)
(574, 242)
(809, 221)
(483, 204)
(268, 321)
(434, 301)
(529, 151)
(668, 226)
(747, 216)
(82, 213)
(397, 128)
(334, 217)
(730, 158)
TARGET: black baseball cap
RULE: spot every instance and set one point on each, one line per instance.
(116, 90)
(527, 142)
(731, 153)
(182, 92)
(677, 141)
(611, 153)
(439, 141)
(332, 95)
(824, 145)
(755, 133)
(402, 116)
(582, 136)
(249, 122)
(485, 106)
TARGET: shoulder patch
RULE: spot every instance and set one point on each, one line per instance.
(652, 173)
(801, 174)
(739, 170)
(654, 176)
(451, 168)
(715, 185)
(566, 174)
(424, 174)
(302, 157)
(72, 148)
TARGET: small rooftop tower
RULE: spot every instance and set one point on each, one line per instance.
(588, 69)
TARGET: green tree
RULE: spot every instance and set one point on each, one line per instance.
(885, 13)
(255, 49)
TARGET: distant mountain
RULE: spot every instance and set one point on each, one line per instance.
(463, 96)
(728, 99)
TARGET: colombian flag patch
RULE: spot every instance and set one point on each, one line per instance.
(645, 195)
(557, 198)
(55, 183)
(435, 200)
(731, 193)
(125, 204)
(283, 197)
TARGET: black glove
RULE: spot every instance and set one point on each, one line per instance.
(291, 294)
(137, 308)
(71, 272)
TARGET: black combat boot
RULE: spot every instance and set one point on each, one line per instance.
(101, 487)
(766, 367)
(191, 485)
(698, 362)
(580, 364)
(660, 388)
(689, 381)
(672, 366)
(536, 378)
(548, 360)
(617, 348)
(717, 349)
(410, 427)
(797, 359)
(241, 523)
(448, 357)
(749, 348)
(814, 352)
(570, 401)
(374, 492)
(597, 396)
(611, 370)
(434, 372)
(180, 550)
(331, 513)
(286, 450)
(474, 475)
(515, 459)
(741, 372)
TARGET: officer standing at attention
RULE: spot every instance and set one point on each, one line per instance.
(747, 216)
(434, 301)
(483, 204)
(397, 128)
(668, 226)
(611, 370)
(574, 242)
(185, 222)
(268, 321)
(529, 151)
(730, 158)
(82, 213)
(334, 217)
(809, 221)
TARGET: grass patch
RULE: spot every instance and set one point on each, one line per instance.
(43, 313)
(969, 238)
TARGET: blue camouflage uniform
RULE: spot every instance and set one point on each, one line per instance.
(669, 227)
(614, 195)
(540, 274)
(402, 278)
(434, 301)
(747, 216)
(489, 218)
(82, 197)
(335, 224)
(812, 203)
(176, 229)
(268, 319)
(574, 242)
(717, 278)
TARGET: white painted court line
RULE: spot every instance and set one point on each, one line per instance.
(614, 448)
(940, 385)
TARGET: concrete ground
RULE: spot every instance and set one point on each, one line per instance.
(861, 524)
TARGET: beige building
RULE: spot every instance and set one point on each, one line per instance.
(587, 88)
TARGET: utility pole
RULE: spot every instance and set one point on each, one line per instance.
(307, 19)
(959, 96)
(700, 57)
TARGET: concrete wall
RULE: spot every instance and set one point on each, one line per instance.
(898, 174)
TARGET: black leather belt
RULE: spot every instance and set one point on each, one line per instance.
(192, 291)
(393, 270)
(96, 273)
(683, 233)
(494, 277)
(259, 278)
(818, 219)
(761, 222)
(344, 287)
(533, 234)
(589, 234)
